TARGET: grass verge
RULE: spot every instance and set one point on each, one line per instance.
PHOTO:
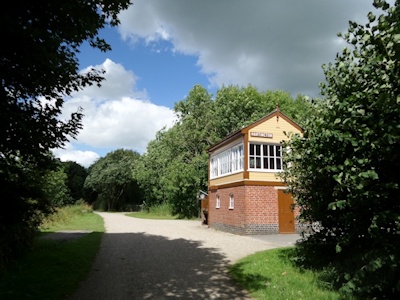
(149, 215)
(272, 275)
(54, 269)
(162, 211)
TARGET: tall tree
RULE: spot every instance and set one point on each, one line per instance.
(38, 69)
(152, 173)
(76, 175)
(236, 107)
(111, 180)
(174, 167)
(194, 132)
(344, 171)
(55, 188)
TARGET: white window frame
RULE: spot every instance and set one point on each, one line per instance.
(263, 156)
(231, 201)
(217, 202)
(229, 161)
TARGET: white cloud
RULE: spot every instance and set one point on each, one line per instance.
(115, 116)
(84, 158)
(123, 123)
(271, 44)
(118, 83)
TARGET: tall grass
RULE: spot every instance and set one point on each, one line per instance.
(160, 211)
(67, 217)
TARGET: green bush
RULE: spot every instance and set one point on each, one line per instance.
(343, 172)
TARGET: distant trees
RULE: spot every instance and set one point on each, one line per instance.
(38, 69)
(344, 171)
(111, 182)
(76, 175)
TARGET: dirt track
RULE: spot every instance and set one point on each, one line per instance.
(163, 259)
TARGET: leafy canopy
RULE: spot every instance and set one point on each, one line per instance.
(111, 180)
(39, 70)
(344, 171)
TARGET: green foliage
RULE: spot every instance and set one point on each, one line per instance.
(111, 180)
(238, 107)
(38, 70)
(344, 172)
(161, 211)
(72, 217)
(55, 188)
(174, 167)
(76, 175)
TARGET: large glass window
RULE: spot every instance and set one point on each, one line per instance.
(227, 162)
(265, 157)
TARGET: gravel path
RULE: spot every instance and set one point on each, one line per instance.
(168, 259)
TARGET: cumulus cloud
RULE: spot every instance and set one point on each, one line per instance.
(271, 44)
(115, 116)
(84, 158)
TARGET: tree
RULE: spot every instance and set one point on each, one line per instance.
(39, 69)
(174, 167)
(55, 188)
(111, 180)
(344, 172)
(236, 107)
(193, 133)
(76, 175)
(152, 172)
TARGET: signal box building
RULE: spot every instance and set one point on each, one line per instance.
(245, 195)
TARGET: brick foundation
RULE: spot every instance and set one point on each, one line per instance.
(255, 210)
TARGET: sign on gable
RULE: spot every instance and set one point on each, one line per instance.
(262, 135)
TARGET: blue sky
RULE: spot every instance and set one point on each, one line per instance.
(162, 48)
(166, 76)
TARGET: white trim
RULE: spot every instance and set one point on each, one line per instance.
(217, 202)
(231, 202)
(280, 187)
(260, 158)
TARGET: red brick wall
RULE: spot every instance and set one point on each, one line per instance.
(262, 205)
(231, 217)
(255, 211)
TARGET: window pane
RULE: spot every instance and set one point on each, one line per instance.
(265, 163)
(271, 163)
(265, 150)
(258, 162)
(258, 149)
(251, 149)
(278, 151)
(279, 164)
(271, 150)
(251, 162)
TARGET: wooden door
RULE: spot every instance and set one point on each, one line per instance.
(286, 215)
